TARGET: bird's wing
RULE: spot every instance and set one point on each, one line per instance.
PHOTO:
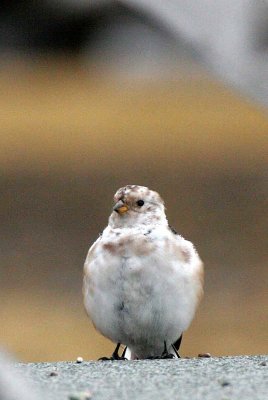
(190, 257)
(87, 271)
(91, 252)
(173, 230)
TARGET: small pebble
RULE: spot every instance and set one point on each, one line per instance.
(79, 360)
(204, 355)
(263, 363)
(80, 396)
(53, 373)
(225, 383)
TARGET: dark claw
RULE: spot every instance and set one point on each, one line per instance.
(162, 357)
(112, 358)
(168, 355)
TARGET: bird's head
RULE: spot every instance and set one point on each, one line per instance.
(137, 205)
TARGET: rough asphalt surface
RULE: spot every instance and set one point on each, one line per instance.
(224, 378)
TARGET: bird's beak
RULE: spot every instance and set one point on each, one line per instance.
(120, 207)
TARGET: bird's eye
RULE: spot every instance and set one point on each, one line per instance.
(140, 203)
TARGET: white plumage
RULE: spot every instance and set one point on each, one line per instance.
(142, 282)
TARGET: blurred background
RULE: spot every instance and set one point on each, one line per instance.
(95, 95)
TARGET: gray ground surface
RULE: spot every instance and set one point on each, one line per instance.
(224, 378)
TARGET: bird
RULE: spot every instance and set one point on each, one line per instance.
(142, 280)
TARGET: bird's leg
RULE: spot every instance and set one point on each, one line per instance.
(124, 353)
(165, 353)
(176, 346)
(115, 355)
(175, 351)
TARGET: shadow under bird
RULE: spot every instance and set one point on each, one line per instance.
(142, 281)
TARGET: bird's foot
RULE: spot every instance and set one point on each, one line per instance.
(115, 355)
(162, 357)
(111, 358)
(165, 355)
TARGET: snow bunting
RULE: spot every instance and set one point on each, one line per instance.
(142, 281)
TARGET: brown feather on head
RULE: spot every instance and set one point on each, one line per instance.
(137, 205)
